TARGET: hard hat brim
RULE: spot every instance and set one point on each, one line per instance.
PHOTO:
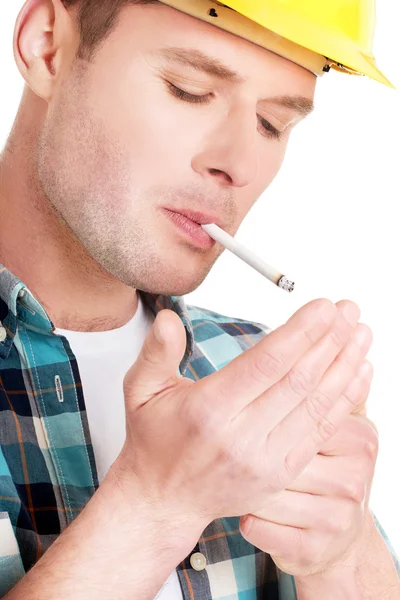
(282, 37)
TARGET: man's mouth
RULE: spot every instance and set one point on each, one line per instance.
(189, 224)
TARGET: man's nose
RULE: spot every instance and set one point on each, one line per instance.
(231, 152)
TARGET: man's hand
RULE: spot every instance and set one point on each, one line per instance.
(315, 525)
(228, 444)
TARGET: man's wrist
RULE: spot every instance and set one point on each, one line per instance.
(118, 541)
(164, 518)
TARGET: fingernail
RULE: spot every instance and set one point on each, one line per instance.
(158, 333)
(352, 313)
(362, 335)
(366, 371)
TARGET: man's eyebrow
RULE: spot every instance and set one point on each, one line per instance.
(201, 62)
(213, 66)
(302, 105)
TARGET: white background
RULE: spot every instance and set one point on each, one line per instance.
(329, 221)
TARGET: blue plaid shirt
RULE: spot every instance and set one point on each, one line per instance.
(47, 467)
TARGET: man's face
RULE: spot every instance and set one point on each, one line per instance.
(120, 142)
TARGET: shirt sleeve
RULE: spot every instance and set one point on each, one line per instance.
(11, 567)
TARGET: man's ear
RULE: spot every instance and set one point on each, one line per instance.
(45, 38)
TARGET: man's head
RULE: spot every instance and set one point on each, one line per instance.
(138, 107)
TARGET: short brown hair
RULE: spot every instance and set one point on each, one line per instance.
(96, 20)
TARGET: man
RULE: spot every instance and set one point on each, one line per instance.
(176, 445)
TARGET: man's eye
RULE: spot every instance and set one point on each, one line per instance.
(178, 93)
(269, 129)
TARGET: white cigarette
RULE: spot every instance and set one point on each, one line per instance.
(249, 257)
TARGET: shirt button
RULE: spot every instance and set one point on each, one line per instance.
(198, 561)
(21, 293)
(3, 333)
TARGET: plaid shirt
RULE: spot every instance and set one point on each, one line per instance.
(47, 466)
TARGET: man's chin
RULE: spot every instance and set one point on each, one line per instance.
(171, 290)
(168, 275)
(176, 285)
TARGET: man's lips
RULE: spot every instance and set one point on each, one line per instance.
(196, 216)
(191, 228)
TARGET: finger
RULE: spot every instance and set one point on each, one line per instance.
(359, 387)
(260, 367)
(294, 550)
(304, 377)
(301, 433)
(327, 425)
(335, 477)
(355, 432)
(279, 400)
(334, 380)
(158, 361)
(309, 511)
(338, 345)
(361, 408)
(275, 539)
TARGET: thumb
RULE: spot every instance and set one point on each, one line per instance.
(156, 366)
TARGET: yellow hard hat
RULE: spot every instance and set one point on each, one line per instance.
(316, 34)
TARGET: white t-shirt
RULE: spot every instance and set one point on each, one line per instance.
(104, 357)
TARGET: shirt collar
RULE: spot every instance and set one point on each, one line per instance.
(19, 304)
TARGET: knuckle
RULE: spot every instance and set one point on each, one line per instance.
(148, 355)
(340, 521)
(372, 445)
(336, 338)
(275, 469)
(318, 404)
(323, 432)
(351, 395)
(266, 366)
(290, 468)
(295, 462)
(232, 456)
(228, 454)
(127, 387)
(354, 488)
(330, 522)
(202, 420)
(348, 355)
(278, 480)
(300, 381)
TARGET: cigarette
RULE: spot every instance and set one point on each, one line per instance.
(249, 257)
